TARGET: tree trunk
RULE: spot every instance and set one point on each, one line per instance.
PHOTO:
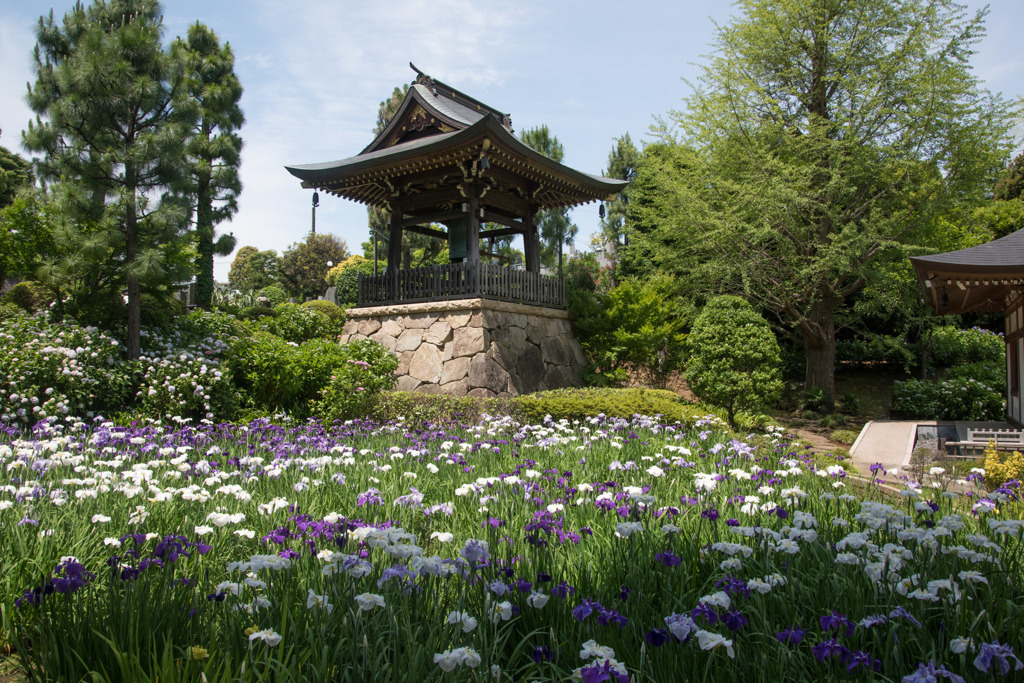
(131, 239)
(820, 349)
(204, 246)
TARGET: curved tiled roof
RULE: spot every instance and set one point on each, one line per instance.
(976, 279)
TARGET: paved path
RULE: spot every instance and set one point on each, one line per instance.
(888, 442)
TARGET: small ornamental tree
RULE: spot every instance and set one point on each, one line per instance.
(734, 357)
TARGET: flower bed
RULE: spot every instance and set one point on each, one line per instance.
(603, 549)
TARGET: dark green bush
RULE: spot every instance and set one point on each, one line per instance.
(257, 312)
(734, 357)
(9, 310)
(318, 377)
(889, 349)
(949, 346)
(160, 311)
(29, 296)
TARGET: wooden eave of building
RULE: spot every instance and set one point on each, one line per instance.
(377, 177)
(979, 279)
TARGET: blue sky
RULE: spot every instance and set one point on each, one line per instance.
(314, 73)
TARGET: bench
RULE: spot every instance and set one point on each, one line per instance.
(978, 440)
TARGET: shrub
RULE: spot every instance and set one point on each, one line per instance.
(56, 370)
(160, 311)
(1000, 469)
(257, 312)
(579, 404)
(992, 374)
(832, 421)
(420, 410)
(297, 324)
(274, 294)
(844, 436)
(636, 327)
(29, 296)
(355, 384)
(949, 346)
(330, 310)
(950, 399)
(263, 366)
(9, 310)
(187, 386)
(848, 404)
(734, 357)
(876, 349)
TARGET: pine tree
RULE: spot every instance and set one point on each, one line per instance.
(112, 145)
(623, 162)
(555, 228)
(213, 147)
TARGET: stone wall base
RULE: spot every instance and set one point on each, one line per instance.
(474, 347)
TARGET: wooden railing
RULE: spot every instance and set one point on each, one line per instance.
(461, 281)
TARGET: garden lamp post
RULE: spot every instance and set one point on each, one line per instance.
(316, 203)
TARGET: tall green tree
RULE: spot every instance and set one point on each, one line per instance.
(112, 145)
(823, 136)
(213, 146)
(252, 269)
(556, 230)
(304, 265)
(15, 173)
(623, 163)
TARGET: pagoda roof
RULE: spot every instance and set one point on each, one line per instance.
(976, 279)
(437, 136)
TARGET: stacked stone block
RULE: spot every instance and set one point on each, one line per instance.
(474, 347)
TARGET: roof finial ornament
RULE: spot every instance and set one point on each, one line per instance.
(423, 79)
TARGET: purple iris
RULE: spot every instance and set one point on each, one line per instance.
(831, 648)
(657, 637)
(928, 673)
(733, 586)
(584, 609)
(835, 622)
(542, 653)
(563, 590)
(902, 613)
(669, 559)
(602, 672)
(861, 658)
(995, 653)
(734, 620)
(790, 636)
(369, 497)
(705, 610)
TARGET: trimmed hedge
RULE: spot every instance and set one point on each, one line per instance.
(568, 404)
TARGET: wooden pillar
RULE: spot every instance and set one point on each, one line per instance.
(473, 225)
(395, 240)
(531, 241)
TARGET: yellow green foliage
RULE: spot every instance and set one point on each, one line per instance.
(1000, 468)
